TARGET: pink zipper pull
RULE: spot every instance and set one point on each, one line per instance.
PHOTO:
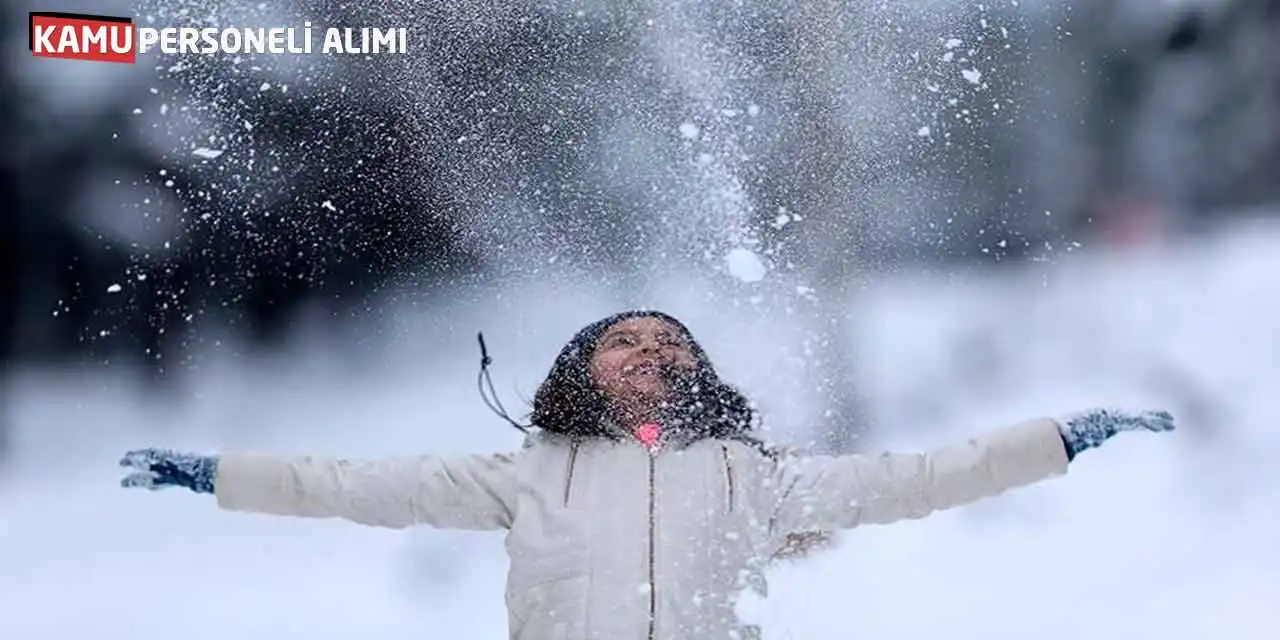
(649, 433)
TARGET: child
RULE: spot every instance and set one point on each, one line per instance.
(641, 503)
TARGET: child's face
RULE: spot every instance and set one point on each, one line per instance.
(634, 359)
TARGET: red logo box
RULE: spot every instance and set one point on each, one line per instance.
(81, 36)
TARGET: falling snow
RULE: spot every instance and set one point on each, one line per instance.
(745, 265)
(674, 142)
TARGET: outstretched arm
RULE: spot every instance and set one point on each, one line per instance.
(836, 492)
(464, 492)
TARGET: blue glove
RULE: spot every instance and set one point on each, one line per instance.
(1088, 429)
(161, 468)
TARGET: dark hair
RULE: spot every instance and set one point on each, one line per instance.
(569, 403)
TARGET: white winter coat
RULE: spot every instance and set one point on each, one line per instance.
(610, 542)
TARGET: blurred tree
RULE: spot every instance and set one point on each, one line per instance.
(322, 200)
(1172, 108)
(11, 217)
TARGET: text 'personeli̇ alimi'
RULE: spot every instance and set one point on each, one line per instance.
(118, 39)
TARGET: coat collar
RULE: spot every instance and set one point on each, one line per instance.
(668, 436)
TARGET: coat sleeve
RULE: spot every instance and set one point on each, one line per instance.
(465, 492)
(840, 492)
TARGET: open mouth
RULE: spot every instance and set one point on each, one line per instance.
(646, 368)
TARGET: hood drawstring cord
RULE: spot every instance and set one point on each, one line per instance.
(487, 393)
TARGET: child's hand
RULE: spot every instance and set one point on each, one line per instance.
(1088, 429)
(161, 468)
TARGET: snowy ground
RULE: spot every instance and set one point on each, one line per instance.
(1171, 537)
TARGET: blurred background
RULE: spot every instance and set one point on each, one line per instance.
(893, 225)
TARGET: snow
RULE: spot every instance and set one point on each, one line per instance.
(745, 265)
(1166, 536)
(206, 153)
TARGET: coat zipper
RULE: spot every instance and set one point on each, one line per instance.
(568, 478)
(728, 473)
(653, 548)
